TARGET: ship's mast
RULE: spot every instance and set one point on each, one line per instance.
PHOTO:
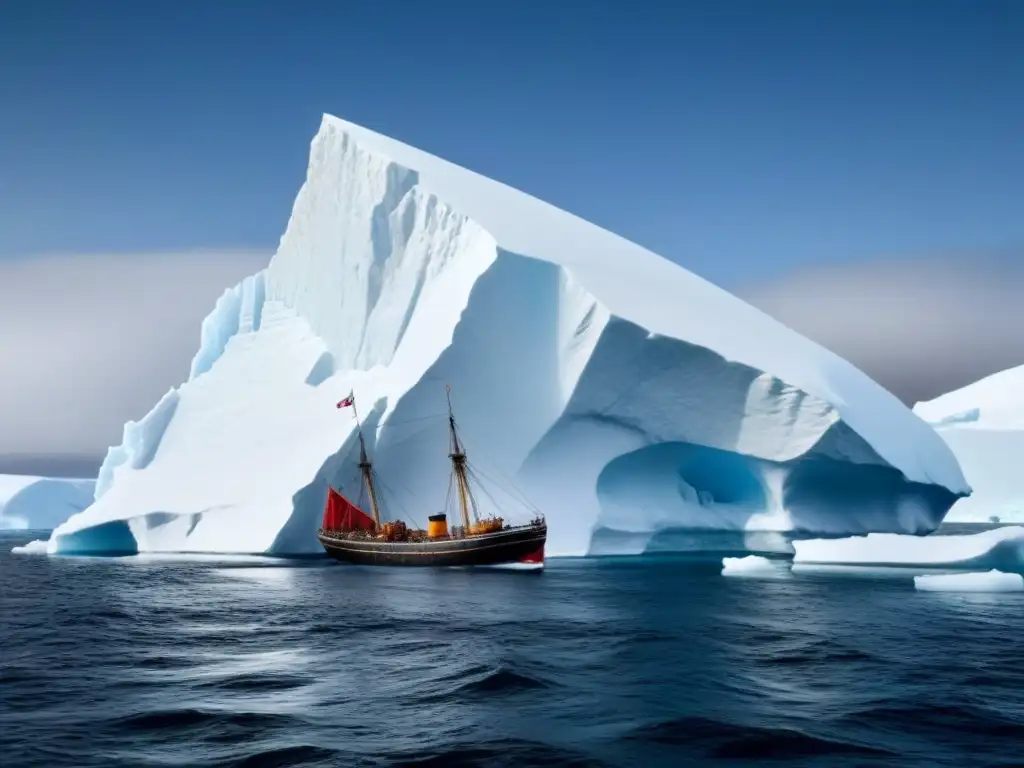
(366, 468)
(458, 457)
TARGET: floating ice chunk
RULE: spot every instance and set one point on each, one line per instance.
(36, 547)
(998, 548)
(752, 565)
(992, 581)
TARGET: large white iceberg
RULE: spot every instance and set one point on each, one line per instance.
(41, 503)
(984, 425)
(612, 387)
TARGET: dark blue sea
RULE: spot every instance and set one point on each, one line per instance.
(647, 661)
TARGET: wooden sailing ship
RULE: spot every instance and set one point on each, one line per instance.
(351, 535)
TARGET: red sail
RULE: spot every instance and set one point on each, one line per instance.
(340, 514)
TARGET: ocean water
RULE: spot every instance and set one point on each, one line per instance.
(650, 661)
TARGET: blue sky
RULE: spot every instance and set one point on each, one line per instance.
(849, 166)
(742, 139)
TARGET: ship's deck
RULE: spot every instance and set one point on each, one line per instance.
(423, 538)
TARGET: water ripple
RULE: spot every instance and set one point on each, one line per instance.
(168, 661)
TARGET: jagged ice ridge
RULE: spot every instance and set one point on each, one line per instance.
(614, 388)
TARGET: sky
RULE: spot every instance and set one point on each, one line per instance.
(784, 150)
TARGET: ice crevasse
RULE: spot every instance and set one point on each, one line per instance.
(615, 389)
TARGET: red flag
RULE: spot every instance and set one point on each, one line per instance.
(346, 402)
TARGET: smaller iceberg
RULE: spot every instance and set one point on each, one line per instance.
(36, 547)
(751, 565)
(983, 423)
(992, 581)
(1001, 548)
(41, 503)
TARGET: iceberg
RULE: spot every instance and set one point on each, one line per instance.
(612, 388)
(11, 484)
(36, 547)
(983, 423)
(997, 548)
(751, 565)
(41, 503)
(991, 581)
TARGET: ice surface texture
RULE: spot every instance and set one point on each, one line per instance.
(997, 548)
(41, 503)
(984, 425)
(615, 388)
(991, 581)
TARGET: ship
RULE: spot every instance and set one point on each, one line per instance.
(351, 535)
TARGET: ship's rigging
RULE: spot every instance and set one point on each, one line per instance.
(349, 534)
(465, 478)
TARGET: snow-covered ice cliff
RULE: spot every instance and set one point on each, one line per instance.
(615, 388)
(984, 425)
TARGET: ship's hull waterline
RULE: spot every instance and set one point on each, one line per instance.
(516, 545)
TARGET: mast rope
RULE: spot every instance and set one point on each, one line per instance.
(486, 493)
(518, 495)
(472, 498)
(394, 496)
(349, 481)
(523, 502)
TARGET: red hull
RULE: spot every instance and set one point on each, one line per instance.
(534, 558)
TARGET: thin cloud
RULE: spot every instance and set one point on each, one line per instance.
(919, 327)
(89, 342)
